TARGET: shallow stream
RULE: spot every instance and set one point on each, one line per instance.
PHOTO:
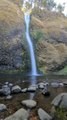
(24, 81)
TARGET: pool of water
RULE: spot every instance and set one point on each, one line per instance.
(24, 81)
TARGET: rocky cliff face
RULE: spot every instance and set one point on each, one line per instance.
(49, 30)
(11, 34)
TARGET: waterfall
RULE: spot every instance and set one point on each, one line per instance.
(30, 45)
(27, 12)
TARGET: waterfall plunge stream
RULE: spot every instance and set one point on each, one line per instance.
(30, 45)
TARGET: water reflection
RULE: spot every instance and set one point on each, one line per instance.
(33, 81)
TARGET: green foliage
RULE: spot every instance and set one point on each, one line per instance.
(61, 114)
(63, 71)
(38, 35)
(28, 5)
(44, 2)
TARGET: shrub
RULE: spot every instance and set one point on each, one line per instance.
(61, 114)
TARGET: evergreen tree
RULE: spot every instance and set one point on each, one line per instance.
(60, 7)
(50, 4)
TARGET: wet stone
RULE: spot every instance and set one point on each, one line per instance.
(2, 107)
(9, 97)
(55, 84)
(16, 89)
(29, 103)
(60, 100)
(21, 114)
(6, 90)
(24, 90)
(32, 88)
(43, 115)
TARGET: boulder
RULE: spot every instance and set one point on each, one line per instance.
(55, 84)
(41, 85)
(61, 84)
(2, 107)
(21, 114)
(1, 91)
(6, 83)
(10, 85)
(16, 89)
(6, 90)
(46, 93)
(29, 103)
(60, 100)
(43, 115)
(65, 83)
(9, 97)
(32, 88)
(24, 90)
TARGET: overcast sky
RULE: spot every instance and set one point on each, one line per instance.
(62, 1)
